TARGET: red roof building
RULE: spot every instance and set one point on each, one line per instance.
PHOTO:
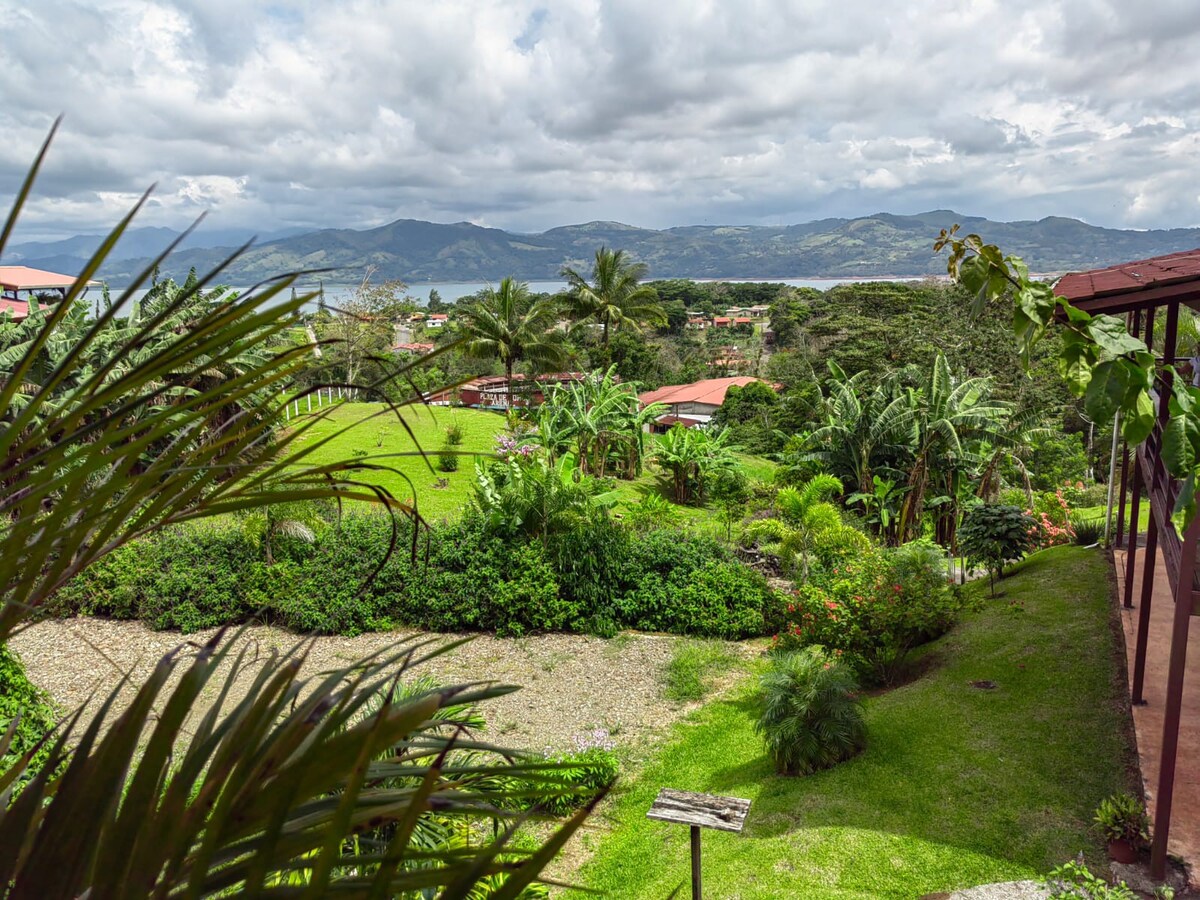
(695, 403)
(16, 280)
(15, 309)
(491, 392)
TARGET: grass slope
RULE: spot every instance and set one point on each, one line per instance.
(376, 431)
(958, 786)
(387, 443)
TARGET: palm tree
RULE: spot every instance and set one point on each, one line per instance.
(511, 325)
(614, 299)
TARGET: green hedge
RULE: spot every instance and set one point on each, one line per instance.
(596, 579)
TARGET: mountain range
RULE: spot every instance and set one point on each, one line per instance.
(879, 245)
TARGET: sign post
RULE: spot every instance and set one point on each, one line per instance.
(699, 811)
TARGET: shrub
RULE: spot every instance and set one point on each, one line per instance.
(811, 716)
(994, 535)
(447, 461)
(875, 610)
(1052, 513)
(1087, 530)
(587, 574)
(590, 768)
(454, 434)
(1075, 880)
(19, 697)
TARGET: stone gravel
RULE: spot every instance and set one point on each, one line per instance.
(570, 684)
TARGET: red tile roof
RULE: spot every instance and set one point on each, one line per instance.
(1174, 268)
(721, 320)
(23, 278)
(710, 391)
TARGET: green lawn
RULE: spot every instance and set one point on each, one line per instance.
(376, 431)
(958, 786)
(1097, 512)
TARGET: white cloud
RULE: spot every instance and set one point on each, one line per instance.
(527, 114)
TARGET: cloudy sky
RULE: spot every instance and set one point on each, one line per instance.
(527, 114)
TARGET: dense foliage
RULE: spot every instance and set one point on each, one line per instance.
(811, 716)
(874, 609)
(468, 576)
(21, 698)
(994, 535)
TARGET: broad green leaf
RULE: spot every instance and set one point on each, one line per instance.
(1111, 335)
(1181, 438)
(1107, 390)
(1138, 420)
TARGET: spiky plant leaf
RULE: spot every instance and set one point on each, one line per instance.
(221, 774)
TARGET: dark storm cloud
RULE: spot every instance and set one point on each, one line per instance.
(527, 114)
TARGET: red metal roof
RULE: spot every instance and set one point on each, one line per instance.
(710, 391)
(18, 309)
(1130, 277)
(23, 278)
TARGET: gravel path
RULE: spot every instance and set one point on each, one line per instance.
(570, 683)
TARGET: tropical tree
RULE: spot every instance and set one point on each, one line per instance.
(178, 787)
(615, 298)
(692, 456)
(863, 428)
(602, 418)
(510, 324)
(951, 419)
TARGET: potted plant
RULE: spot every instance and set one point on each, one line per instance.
(1123, 822)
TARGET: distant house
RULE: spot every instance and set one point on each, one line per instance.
(415, 348)
(692, 404)
(743, 320)
(16, 281)
(722, 322)
(697, 323)
(491, 392)
(437, 320)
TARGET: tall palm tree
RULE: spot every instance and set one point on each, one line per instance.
(615, 298)
(510, 324)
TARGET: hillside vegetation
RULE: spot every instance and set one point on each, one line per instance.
(878, 245)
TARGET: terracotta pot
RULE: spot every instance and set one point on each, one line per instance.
(1122, 851)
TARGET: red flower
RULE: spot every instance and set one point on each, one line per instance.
(830, 604)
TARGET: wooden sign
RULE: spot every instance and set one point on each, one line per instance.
(699, 811)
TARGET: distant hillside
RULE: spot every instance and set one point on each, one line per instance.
(414, 251)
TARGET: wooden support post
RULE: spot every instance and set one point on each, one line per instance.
(1131, 548)
(696, 891)
(1172, 710)
(1143, 629)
